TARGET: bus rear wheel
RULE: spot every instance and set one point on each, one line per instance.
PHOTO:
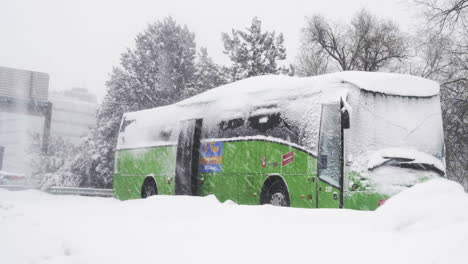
(149, 188)
(276, 194)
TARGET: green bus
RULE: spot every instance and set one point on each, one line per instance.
(341, 140)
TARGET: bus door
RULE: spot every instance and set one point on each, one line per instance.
(187, 156)
(330, 158)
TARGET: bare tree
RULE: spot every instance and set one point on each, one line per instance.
(331, 39)
(445, 54)
(366, 44)
(310, 61)
(454, 96)
(444, 13)
(431, 55)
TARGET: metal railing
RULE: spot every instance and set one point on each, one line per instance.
(63, 190)
(81, 191)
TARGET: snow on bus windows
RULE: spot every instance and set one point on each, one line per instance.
(231, 128)
(263, 123)
(270, 125)
(138, 133)
(273, 125)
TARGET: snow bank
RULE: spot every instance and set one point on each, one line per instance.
(426, 224)
(436, 204)
(433, 216)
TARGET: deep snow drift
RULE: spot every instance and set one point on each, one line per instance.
(425, 224)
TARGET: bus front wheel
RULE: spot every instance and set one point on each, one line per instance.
(149, 188)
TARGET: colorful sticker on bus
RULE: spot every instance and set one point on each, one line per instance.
(211, 154)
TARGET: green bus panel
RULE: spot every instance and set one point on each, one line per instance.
(145, 161)
(127, 187)
(328, 195)
(133, 165)
(362, 200)
(245, 166)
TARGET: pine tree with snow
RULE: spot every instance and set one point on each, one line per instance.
(161, 66)
(157, 72)
(207, 74)
(162, 69)
(254, 52)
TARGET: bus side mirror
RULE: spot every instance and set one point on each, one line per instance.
(345, 119)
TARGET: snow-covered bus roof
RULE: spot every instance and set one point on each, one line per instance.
(385, 83)
(390, 83)
(297, 97)
(267, 88)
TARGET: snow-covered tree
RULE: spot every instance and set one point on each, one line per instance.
(45, 166)
(254, 52)
(157, 72)
(207, 74)
(161, 66)
(160, 70)
(442, 54)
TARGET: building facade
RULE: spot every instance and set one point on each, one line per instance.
(73, 113)
(24, 110)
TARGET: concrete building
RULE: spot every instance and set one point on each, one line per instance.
(24, 109)
(73, 113)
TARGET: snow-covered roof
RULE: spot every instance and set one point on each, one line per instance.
(270, 88)
(265, 87)
(284, 86)
(391, 83)
(296, 98)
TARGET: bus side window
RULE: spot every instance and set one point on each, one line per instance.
(263, 123)
(231, 124)
(273, 125)
(160, 134)
(230, 128)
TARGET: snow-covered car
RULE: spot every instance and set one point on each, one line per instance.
(8, 178)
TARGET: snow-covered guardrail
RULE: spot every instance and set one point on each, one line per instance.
(63, 190)
(81, 191)
(18, 187)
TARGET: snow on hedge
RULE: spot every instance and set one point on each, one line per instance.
(425, 224)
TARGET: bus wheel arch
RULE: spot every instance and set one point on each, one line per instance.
(275, 191)
(149, 187)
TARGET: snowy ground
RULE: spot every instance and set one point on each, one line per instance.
(425, 224)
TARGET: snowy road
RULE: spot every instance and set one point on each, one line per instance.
(426, 224)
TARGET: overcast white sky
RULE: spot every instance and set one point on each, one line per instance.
(78, 42)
